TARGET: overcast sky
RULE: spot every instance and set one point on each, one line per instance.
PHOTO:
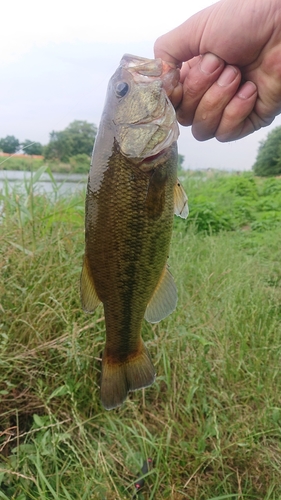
(56, 59)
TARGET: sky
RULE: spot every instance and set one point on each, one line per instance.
(56, 59)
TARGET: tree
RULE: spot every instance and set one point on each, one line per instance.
(9, 144)
(180, 163)
(268, 161)
(80, 163)
(31, 147)
(77, 138)
(59, 147)
(82, 136)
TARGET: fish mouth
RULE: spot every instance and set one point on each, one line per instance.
(145, 133)
(143, 69)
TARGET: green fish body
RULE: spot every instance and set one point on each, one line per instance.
(132, 195)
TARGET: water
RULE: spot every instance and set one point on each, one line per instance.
(64, 183)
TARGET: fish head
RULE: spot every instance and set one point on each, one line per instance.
(140, 113)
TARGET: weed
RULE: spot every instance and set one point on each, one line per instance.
(211, 423)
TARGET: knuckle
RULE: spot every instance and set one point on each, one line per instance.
(191, 89)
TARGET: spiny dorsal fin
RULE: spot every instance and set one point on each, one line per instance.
(89, 298)
(180, 201)
(164, 299)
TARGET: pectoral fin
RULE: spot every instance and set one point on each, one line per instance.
(89, 298)
(180, 201)
(164, 299)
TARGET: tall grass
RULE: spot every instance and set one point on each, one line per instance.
(211, 421)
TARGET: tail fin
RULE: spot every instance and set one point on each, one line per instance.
(117, 379)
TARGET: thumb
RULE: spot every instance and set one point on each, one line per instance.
(183, 42)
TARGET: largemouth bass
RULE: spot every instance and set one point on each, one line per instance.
(132, 194)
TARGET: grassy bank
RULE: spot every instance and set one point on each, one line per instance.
(211, 422)
(78, 164)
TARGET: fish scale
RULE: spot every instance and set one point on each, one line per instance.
(131, 248)
(128, 224)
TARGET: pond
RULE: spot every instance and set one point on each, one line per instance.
(64, 183)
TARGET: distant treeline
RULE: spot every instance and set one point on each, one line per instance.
(74, 145)
(67, 151)
(70, 148)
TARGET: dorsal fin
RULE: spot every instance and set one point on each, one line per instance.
(180, 201)
(164, 299)
(89, 298)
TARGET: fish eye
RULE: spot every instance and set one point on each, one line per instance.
(121, 89)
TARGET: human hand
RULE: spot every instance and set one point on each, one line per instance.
(231, 71)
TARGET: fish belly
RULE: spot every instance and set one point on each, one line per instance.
(128, 231)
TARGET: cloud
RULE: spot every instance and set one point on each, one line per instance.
(35, 24)
(57, 58)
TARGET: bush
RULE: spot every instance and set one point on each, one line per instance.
(242, 186)
(209, 218)
(268, 161)
(80, 163)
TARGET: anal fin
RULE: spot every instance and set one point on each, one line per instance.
(164, 299)
(89, 298)
(180, 201)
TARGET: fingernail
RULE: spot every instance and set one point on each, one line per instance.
(210, 63)
(247, 90)
(228, 75)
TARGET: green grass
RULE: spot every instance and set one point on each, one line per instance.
(14, 163)
(229, 202)
(77, 164)
(212, 420)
